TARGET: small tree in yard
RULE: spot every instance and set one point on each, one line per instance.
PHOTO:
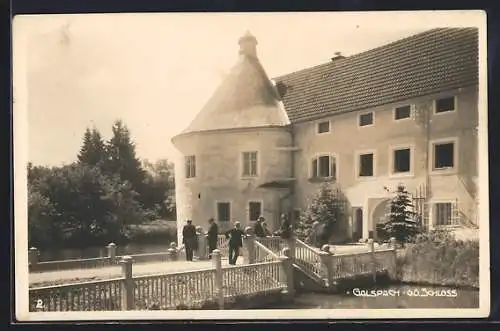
(317, 224)
(401, 221)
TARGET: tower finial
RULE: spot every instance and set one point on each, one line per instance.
(248, 44)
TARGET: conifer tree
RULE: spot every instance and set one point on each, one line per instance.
(121, 157)
(318, 222)
(401, 221)
(92, 152)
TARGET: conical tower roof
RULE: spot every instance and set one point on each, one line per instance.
(246, 98)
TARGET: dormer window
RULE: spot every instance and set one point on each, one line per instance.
(323, 127)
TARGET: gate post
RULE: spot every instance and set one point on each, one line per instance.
(111, 252)
(286, 274)
(127, 284)
(216, 258)
(373, 263)
(327, 265)
(249, 245)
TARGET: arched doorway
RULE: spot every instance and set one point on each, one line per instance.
(357, 232)
(379, 217)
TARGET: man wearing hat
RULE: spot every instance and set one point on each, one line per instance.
(258, 229)
(235, 236)
(189, 239)
(212, 234)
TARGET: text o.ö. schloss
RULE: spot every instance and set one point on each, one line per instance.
(420, 292)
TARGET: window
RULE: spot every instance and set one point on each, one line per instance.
(324, 127)
(254, 210)
(402, 160)
(402, 112)
(250, 164)
(444, 155)
(366, 165)
(443, 214)
(223, 211)
(324, 167)
(444, 105)
(190, 166)
(366, 119)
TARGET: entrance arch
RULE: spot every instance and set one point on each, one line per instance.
(378, 216)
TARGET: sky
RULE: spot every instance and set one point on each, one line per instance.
(156, 71)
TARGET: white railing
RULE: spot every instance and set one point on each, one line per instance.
(308, 258)
(199, 289)
(264, 254)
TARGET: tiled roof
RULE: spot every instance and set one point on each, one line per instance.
(246, 98)
(430, 62)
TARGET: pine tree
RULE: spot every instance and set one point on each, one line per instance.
(92, 152)
(121, 157)
(318, 222)
(86, 149)
(401, 221)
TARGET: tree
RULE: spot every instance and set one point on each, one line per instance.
(401, 221)
(84, 205)
(122, 159)
(92, 152)
(159, 187)
(318, 222)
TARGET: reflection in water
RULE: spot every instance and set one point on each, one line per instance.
(98, 251)
(413, 297)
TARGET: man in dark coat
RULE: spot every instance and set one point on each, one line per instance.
(212, 233)
(235, 236)
(189, 239)
(258, 229)
(286, 227)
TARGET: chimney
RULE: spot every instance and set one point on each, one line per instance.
(338, 56)
(248, 45)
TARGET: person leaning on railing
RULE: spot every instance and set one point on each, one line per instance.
(258, 228)
(267, 232)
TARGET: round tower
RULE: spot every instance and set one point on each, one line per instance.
(235, 159)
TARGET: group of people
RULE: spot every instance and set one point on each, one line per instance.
(234, 235)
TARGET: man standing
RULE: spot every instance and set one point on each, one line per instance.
(212, 233)
(258, 229)
(189, 239)
(235, 236)
(286, 227)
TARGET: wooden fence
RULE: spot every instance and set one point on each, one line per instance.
(201, 289)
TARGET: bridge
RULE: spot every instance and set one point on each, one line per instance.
(272, 270)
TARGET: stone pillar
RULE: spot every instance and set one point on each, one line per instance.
(249, 249)
(327, 265)
(393, 243)
(371, 249)
(33, 255)
(111, 252)
(286, 275)
(173, 253)
(202, 246)
(127, 283)
(393, 270)
(217, 262)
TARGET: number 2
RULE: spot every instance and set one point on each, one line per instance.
(39, 304)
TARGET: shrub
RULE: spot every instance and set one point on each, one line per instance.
(437, 258)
